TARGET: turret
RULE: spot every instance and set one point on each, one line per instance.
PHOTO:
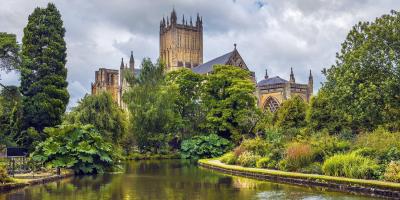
(122, 64)
(173, 16)
(310, 83)
(292, 80)
(132, 62)
(183, 19)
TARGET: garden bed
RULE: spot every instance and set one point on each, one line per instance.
(359, 186)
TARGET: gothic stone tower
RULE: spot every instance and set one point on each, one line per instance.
(181, 45)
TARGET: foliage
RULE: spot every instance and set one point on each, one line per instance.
(263, 162)
(292, 113)
(313, 168)
(3, 173)
(385, 145)
(257, 145)
(103, 113)
(351, 165)
(325, 145)
(203, 146)
(248, 159)
(43, 72)
(298, 155)
(392, 172)
(362, 85)
(229, 158)
(152, 108)
(79, 147)
(228, 96)
(9, 52)
(188, 100)
(10, 115)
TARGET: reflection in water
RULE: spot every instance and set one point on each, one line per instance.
(169, 179)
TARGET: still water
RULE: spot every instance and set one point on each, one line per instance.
(169, 179)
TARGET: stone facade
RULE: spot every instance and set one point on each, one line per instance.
(181, 45)
(273, 91)
(114, 81)
(106, 80)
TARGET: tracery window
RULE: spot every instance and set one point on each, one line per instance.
(272, 104)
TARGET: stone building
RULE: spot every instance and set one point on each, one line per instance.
(106, 80)
(114, 81)
(181, 45)
(272, 91)
(232, 58)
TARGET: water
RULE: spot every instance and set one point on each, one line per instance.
(169, 179)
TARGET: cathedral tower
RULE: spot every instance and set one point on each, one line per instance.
(181, 45)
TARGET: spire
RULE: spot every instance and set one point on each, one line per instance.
(234, 46)
(183, 19)
(292, 76)
(266, 74)
(191, 23)
(122, 63)
(310, 77)
(310, 83)
(131, 61)
(173, 16)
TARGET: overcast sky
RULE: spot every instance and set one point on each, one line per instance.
(272, 34)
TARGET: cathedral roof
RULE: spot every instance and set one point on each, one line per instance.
(208, 66)
(272, 80)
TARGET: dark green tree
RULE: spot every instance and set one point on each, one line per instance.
(9, 49)
(152, 108)
(103, 113)
(43, 72)
(363, 85)
(10, 114)
(292, 113)
(188, 101)
(228, 96)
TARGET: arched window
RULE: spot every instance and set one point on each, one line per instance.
(272, 104)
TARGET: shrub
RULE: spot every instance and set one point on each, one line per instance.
(393, 172)
(75, 146)
(257, 146)
(238, 151)
(325, 145)
(350, 165)
(3, 173)
(263, 162)
(229, 158)
(209, 146)
(313, 168)
(298, 155)
(248, 159)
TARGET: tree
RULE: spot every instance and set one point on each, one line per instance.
(75, 146)
(103, 113)
(188, 102)
(292, 113)
(363, 85)
(10, 115)
(9, 49)
(152, 109)
(43, 72)
(228, 96)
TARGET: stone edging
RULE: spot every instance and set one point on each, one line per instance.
(13, 186)
(376, 191)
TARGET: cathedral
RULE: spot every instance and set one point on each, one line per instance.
(181, 46)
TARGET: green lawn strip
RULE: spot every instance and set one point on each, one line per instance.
(362, 182)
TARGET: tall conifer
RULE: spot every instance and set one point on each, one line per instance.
(43, 72)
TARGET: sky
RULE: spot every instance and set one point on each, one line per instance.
(270, 34)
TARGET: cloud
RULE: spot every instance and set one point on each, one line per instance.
(273, 34)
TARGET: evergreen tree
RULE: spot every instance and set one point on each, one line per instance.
(43, 72)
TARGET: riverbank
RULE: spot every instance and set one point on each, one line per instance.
(24, 181)
(359, 186)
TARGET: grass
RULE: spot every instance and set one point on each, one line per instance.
(363, 182)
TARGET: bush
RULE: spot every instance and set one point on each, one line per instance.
(229, 158)
(238, 151)
(209, 146)
(248, 159)
(351, 165)
(298, 155)
(3, 173)
(263, 162)
(325, 145)
(313, 168)
(257, 146)
(393, 172)
(75, 146)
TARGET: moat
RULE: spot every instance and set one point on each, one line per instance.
(169, 179)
